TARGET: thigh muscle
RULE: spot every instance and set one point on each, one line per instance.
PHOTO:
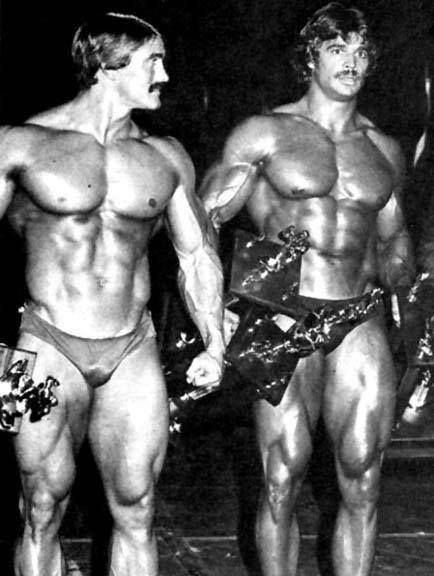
(46, 448)
(360, 393)
(129, 423)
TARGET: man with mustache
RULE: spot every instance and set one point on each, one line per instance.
(86, 187)
(319, 165)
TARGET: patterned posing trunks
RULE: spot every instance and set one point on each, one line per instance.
(95, 358)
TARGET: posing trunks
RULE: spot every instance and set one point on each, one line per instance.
(267, 356)
(95, 358)
(323, 324)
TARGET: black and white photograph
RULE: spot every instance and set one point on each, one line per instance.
(217, 306)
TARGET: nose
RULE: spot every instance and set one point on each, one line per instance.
(161, 73)
(350, 62)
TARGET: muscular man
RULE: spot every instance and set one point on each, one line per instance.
(319, 165)
(85, 187)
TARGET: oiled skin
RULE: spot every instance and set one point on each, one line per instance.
(85, 188)
(319, 165)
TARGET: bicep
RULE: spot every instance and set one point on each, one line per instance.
(186, 221)
(390, 220)
(227, 189)
(229, 183)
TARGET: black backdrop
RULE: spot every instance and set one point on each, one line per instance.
(226, 60)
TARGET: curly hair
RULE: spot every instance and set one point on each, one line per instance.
(107, 41)
(327, 23)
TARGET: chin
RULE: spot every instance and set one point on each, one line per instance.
(154, 104)
(150, 105)
(349, 93)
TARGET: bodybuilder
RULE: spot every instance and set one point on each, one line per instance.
(85, 187)
(319, 165)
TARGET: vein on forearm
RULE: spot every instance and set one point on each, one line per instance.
(200, 280)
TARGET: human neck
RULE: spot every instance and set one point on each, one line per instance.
(96, 112)
(334, 116)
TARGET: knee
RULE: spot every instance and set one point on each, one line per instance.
(134, 511)
(282, 481)
(42, 510)
(278, 484)
(359, 481)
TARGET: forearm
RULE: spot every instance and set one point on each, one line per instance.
(397, 262)
(200, 280)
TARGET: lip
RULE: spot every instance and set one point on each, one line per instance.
(156, 92)
(350, 80)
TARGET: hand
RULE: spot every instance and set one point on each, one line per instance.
(205, 370)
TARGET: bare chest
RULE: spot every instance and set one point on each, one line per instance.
(130, 178)
(352, 168)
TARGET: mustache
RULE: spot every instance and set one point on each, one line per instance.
(349, 73)
(157, 86)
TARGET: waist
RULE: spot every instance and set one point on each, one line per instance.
(299, 306)
(337, 276)
(91, 319)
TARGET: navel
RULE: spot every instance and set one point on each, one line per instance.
(152, 202)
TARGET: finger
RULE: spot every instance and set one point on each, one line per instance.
(205, 378)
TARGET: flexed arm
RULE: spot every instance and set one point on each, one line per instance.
(230, 182)
(225, 189)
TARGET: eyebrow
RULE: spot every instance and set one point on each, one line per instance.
(342, 43)
(160, 55)
(336, 45)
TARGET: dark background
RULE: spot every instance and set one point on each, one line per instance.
(233, 54)
(227, 59)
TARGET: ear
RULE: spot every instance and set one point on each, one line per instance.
(309, 59)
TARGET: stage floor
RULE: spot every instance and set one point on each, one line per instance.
(206, 501)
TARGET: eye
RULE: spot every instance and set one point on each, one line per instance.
(363, 54)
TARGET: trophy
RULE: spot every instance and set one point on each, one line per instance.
(18, 392)
(268, 273)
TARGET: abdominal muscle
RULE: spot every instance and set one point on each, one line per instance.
(333, 278)
(341, 260)
(95, 286)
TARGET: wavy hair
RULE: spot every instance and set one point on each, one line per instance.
(327, 23)
(107, 41)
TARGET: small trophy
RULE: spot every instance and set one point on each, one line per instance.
(18, 392)
(268, 273)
